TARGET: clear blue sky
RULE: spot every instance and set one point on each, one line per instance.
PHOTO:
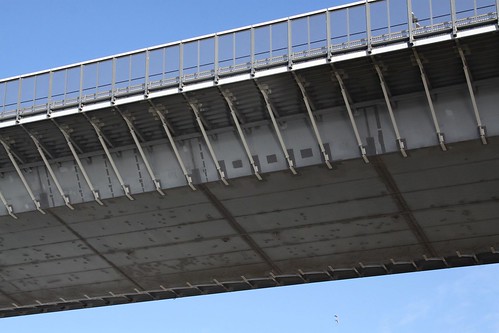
(36, 35)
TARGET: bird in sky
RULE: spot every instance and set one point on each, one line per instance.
(336, 319)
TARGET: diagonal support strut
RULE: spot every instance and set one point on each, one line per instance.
(424, 78)
(195, 109)
(7, 206)
(276, 128)
(69, 142)
(481, 128)
(166, 127)
(386, 94)
(306, 100)
(126, 188)
(23, 179)
(347, 101)
(235, 117)
(64, 196)
(135, 138)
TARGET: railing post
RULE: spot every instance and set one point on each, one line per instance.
(80, 93)
(252, 50)
(49, 95)
(113, 80)
(410, 22)
(368, 27)
(453, 17)
(34, 92)
(181, 66)
(19, 94)
(328, 34)
(290, 45)
(146, 78)
(215, 65)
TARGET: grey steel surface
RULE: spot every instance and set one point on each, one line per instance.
(223, 149)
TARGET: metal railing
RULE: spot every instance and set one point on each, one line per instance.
(359, 25)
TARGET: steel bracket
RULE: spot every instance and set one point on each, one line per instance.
(126, 188)
(426, 85)
(64, 196)
(207, 141)
(131, 128)
(306, 100)
(276, 128)
(172, 143)
(80, 165)
(347, 101)
(384, 88)
(10, 211)
(469, 82)
(23, 179)
(235, 118)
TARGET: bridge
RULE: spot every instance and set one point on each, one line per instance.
(354, 141)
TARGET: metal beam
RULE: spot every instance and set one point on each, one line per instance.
(126, 188)
(453, 17)
(312, 121)
(17, 156)
(227, 94)
(23, 179)
(135, 138)
(73, 143)
(328, 35)
(368, 27)
(88, 244)
(347, 100)
(195, 109)
(168, 132)
(481, 128)
(386, 94)
(410, 21)
(64, 196)
(10, 211)
(42, 147)
(235, 117)
(426, 84)
(224, 212)
(138, 134)
(271, 111)
(397, 196)
(72, 148)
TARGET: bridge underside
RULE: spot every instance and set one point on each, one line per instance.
(432, 209)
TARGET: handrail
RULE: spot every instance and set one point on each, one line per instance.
(21, 94)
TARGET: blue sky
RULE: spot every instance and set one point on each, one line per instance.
(37, 35)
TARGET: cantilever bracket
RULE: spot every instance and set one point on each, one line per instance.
(347, 101)
(384, 88)
(23, 179)
(168, 132)
(207, 140)
(241, 134)
(126, 188)
(64, 196)
(481, 128)
(306, 100)
(276, 128)
(69, 142)
(154, 179)
(424, 78)
(7, 206)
